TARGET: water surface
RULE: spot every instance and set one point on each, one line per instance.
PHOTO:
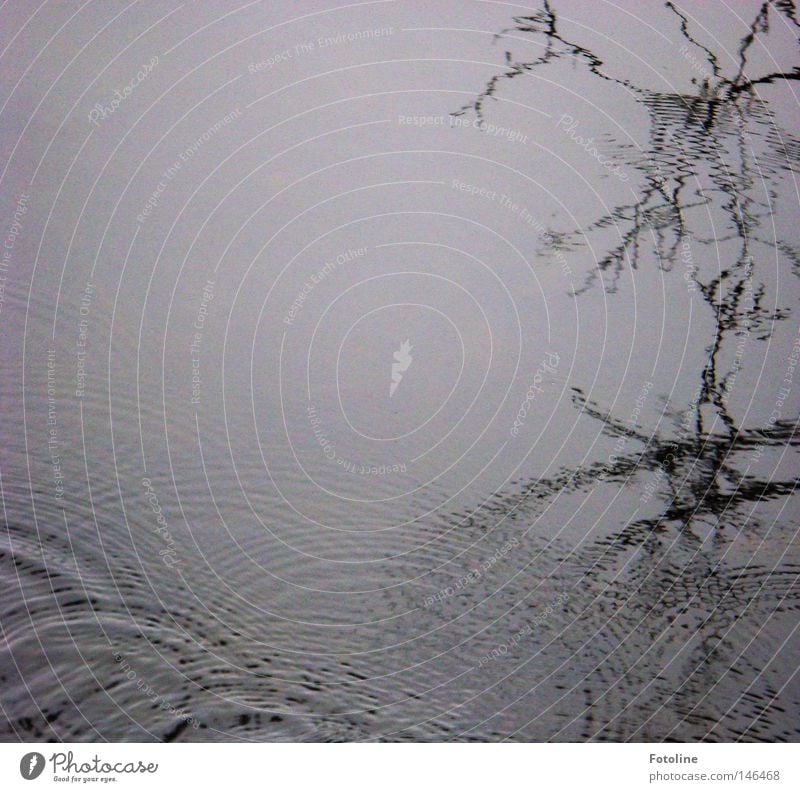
(401, 373)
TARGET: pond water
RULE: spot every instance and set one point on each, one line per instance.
(396, 372)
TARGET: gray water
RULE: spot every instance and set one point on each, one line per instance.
(400, 371)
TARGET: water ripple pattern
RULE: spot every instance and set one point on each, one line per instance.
(399, 371)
